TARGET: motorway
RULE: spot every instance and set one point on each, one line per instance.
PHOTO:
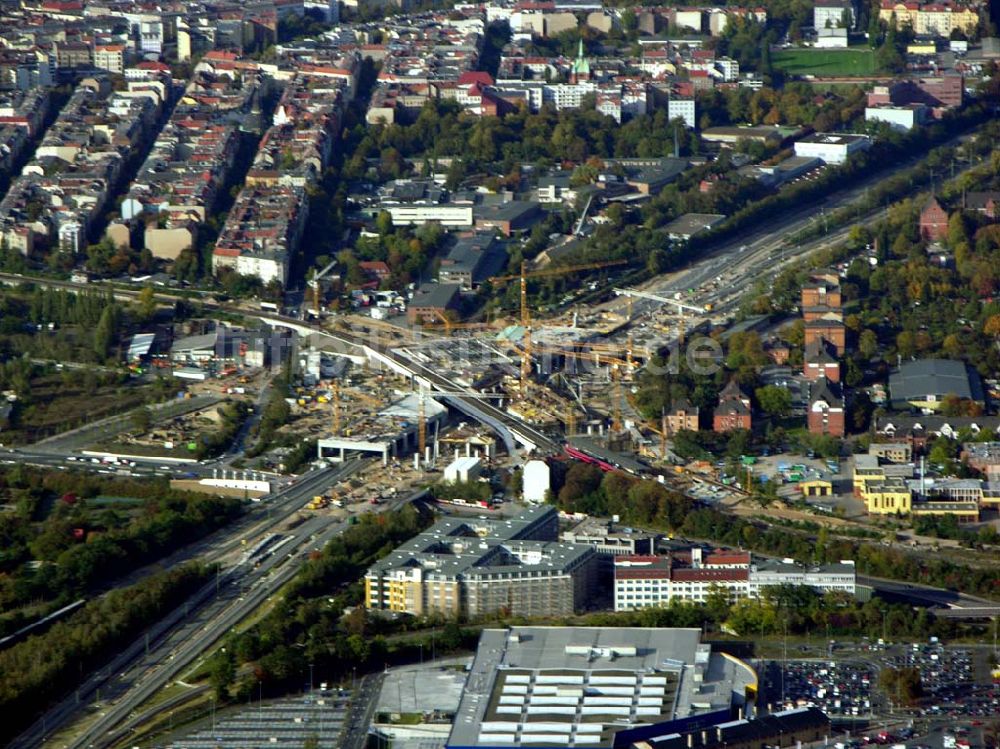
(759, 252)
(169, 646)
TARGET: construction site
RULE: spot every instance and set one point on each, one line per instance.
(177, 438)
(569, 375)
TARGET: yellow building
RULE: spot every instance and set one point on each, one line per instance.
(904, 13)
(889, 497)
(816, 487)
(866, 470)
(931, 19)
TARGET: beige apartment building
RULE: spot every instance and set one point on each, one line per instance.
(475, 566)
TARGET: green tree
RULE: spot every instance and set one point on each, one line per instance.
(906, 344)
(142, 419)
(868, 343)
(774, 400)
(106, 332)
(146, 304)
(902, 685)
(222, 673)
(957, 231)
(383, 223)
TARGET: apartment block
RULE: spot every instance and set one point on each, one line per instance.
(930, 18)
(110, 57)
(65, 189)
(22, 114)
(265, 226)
(178, 185)
(477, 566)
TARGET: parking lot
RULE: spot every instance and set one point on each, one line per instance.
(287, 724)
(837, 688)
(959, 696)
(952, 684)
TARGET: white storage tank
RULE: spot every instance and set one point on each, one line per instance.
(536, 480)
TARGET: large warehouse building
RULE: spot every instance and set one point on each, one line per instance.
(597, 687)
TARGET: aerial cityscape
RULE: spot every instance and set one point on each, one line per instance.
(427, 374)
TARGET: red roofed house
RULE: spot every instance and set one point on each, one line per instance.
(376, 269)
(701, 80)
(475, 76)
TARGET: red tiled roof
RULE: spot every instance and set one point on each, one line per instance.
(641, 573)
(722, 557)
(475, 76)
(710, 575)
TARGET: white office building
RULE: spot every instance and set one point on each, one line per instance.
(832, 148)
(903, 118)
(682, 109)
(644, 581)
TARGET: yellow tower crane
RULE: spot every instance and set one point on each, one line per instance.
(315, 285)
(523, 276)
(450, 325)
(663, 433)
(335, 400)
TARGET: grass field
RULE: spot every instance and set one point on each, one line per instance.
(825, 62)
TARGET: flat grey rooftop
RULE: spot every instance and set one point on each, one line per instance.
(422, 689)
(580, 686)
(544, 647)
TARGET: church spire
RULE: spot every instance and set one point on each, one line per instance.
(581, 66)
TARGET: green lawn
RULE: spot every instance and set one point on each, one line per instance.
(825, 62)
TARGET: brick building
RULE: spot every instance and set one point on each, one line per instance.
(432, 300)
(826, 409)
(734, 410)
(682, 416)
(933, 220)
(820, 361)
(828, 328)
(820, 296)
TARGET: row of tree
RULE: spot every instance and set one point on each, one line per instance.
(61, 541)
(43, 668)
